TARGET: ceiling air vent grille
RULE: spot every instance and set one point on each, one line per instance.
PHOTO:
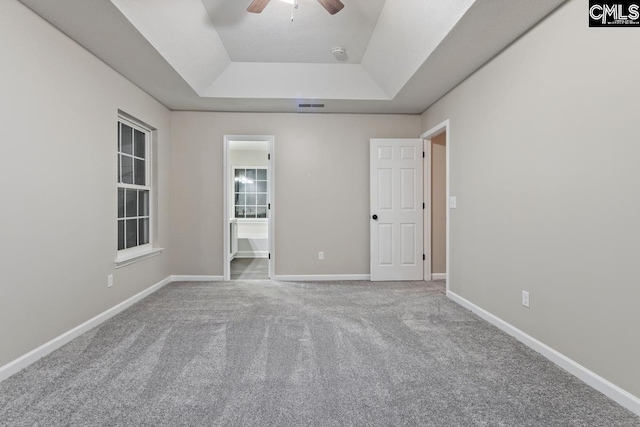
(311, 105)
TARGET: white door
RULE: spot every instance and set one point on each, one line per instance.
(396, 215)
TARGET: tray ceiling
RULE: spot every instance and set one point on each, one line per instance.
(212, 55)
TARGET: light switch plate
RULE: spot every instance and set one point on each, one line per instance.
(525, 298)
(453, 202)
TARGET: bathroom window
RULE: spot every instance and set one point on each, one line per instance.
(250, 192)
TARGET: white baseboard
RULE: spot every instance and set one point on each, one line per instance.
(322, 277)
(22, 362)
(252, 254)
(197, 278)
(438, 276)
(615, 393)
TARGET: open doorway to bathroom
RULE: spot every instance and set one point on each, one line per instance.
(249, 187)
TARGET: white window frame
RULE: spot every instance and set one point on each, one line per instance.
(250, 220)
(129, 255)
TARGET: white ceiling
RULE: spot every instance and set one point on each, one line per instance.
(213, 55)
(272, 37)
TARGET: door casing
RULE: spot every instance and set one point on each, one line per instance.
(444, 126)
(271, 173)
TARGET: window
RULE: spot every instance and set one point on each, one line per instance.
(250, 192)
(134, 187)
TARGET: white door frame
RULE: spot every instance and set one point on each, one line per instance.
(426, 197)
(271, 174)
(438, 129)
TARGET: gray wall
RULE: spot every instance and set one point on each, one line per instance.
(58, 183)
(322, 187)
(544, 163)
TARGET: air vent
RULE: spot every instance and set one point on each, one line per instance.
(311, 105)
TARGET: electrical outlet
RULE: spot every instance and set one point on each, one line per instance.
(525, 298)
(321, 255)
(109, 280)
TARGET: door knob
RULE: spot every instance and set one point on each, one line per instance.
(375, 217)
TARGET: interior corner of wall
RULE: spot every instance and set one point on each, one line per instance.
(376, 80)
(207, 88)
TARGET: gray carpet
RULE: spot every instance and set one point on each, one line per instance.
(300, 354)
(250, 269)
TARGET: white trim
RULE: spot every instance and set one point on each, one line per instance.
(271, 177)
(23, 361)
(427, 245)
(322, 277)
(438, 276)
(226, 247)
(197, 278)
(133, 258)
(129, 256)
(445, 127)
(617, 394)
(252, 254)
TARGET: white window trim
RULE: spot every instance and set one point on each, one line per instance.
(250, 220)
(130, 256)
(123, 261)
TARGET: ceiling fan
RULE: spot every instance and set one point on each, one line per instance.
(332, 6)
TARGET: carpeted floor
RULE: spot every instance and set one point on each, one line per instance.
(249, 269)
(300, 354)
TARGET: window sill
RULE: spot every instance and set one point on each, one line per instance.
(133, 258)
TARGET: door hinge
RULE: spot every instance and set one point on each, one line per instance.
(423, 154)
(268, 156)
(424, 257)
(269, 206)
(424, 206)
(269, 256)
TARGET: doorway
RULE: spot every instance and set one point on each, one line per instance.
(437, 146)
(407, 230)
(249, 188)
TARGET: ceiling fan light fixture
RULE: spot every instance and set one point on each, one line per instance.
(331, 6)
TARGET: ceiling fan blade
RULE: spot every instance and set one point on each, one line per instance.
(257, 6)
(332, 6)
